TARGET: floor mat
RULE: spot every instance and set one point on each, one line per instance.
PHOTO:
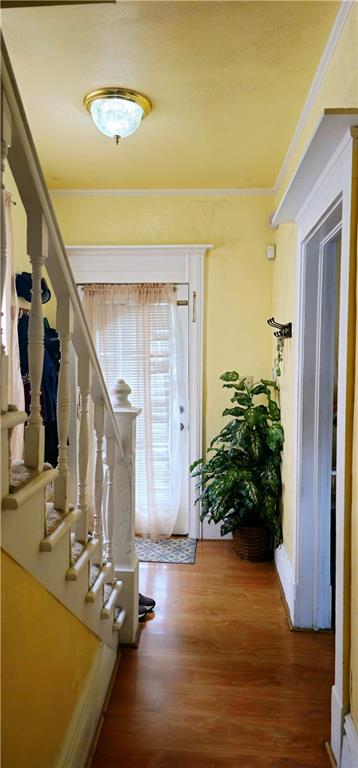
(174, 550)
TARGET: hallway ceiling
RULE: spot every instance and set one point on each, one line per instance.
(227, 80)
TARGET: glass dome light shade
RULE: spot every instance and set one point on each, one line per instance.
(116, 117)
(117, 112)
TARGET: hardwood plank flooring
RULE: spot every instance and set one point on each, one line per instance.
(219, 681)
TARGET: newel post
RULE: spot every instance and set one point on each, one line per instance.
(124, 556)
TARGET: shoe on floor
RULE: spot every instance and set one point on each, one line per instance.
(146, 602)
(142, 612)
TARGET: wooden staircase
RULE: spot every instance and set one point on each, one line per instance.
(87, 561)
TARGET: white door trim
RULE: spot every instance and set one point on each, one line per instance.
(315, 396)
(334, 183)
(162, 263)
(350, 744)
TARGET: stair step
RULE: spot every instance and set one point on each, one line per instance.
(12, 418)
(77, 547)
(104, 574)
(94, 571)
(83, 554)
(110, 602)
(54, 518)
(57, 524)
(107, 592)
(25, 483)
(20, 475)
(119, 619)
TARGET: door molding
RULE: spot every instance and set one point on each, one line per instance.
(333, 185)
(324, 174)
(162, 264)
(316, 348)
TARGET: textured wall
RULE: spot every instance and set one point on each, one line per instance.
(339, 89)
(47, 654)
(238, 285)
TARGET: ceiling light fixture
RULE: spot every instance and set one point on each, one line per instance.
(117, 112)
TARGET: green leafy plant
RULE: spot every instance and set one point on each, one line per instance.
(240, 484)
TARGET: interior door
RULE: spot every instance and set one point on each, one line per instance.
(182, 346)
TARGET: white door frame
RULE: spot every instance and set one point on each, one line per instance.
(333, 184)
(315, 361)
(163, 264)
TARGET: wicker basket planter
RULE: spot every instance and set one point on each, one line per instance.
(253, 544)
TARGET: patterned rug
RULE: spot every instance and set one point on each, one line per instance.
(174, 550)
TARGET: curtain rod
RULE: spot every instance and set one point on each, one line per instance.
(180, 302)
(151, 282)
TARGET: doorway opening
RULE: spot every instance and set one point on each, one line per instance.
(318, 411)
(141, 337)
(182, 266)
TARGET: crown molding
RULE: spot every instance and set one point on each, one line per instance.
(321, 70)
(215, 192)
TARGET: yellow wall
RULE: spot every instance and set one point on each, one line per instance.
(238, 291)
(47, 655)
(284, 309)
(339, 89)
(21, 259)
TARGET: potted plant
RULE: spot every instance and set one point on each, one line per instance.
(240, 484)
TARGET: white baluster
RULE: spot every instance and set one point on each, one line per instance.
(64, 322)
(37, 244)
(5, 143)
(98, 483)
(84, 383)
(110, 460)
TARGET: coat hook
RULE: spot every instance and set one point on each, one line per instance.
(284, 330)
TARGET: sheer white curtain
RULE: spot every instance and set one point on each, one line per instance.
(10, 313)
(134, 330)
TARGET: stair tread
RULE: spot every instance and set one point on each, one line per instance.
(107, 592)
(20, 475)
(54, 518)
(77, 547)
(94, 572)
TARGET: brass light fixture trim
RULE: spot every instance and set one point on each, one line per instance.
(113, 92)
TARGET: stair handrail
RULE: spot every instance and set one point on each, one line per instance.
(26, 168)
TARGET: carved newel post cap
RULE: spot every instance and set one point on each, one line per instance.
(120, 393)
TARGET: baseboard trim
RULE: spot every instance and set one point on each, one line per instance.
(330, 754)
(80, 734)
(337, 718)
(286, 576)
(350, 744)
(103, 714)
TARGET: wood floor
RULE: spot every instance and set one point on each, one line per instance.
(219, 681)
